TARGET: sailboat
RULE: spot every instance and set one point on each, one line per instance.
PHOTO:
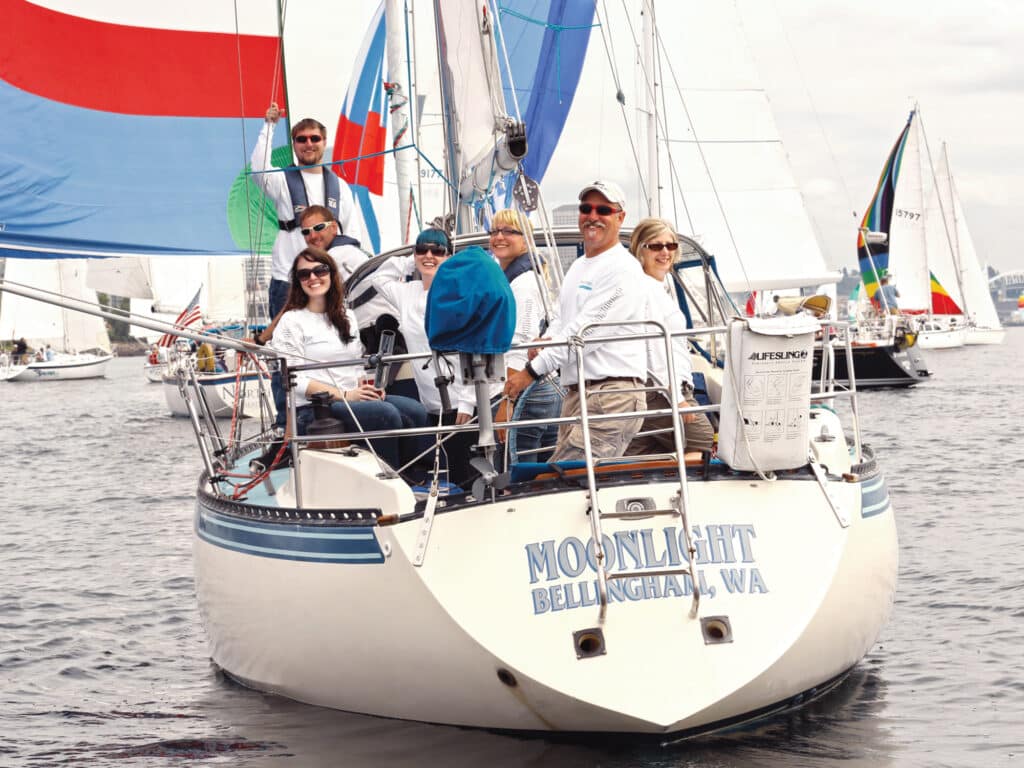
(928, 250)
(971, 281)
(640, 595)
(80, 344)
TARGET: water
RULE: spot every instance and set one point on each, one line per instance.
(103, 660)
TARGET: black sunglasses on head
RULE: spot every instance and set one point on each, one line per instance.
(320, 270)
(602, 210)
(435, 250)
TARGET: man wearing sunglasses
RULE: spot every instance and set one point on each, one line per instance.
(320, 230)
(294, 190)
(603, 287)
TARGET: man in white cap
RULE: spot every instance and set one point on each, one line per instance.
(603, 287)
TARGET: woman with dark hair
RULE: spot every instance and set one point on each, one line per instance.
(315, 326)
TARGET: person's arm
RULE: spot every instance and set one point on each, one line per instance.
(270, 182)
(611, 298)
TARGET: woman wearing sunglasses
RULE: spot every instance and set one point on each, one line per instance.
(315, 326)
(408, 300)
(510, 234)
(655, 244)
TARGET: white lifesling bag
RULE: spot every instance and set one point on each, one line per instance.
(766, 393)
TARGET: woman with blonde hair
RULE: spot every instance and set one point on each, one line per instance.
(510, 236)
(656, 246)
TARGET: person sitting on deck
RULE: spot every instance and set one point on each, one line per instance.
(655, 244)
(316, 327)
(408, 302)
(510, 236)
(603, 287)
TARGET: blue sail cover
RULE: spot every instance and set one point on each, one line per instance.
(470, 307)
(122, 140)
(546, 42)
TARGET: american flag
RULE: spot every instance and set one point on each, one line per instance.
(189, 315)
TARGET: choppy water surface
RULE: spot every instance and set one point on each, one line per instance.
(103, 660)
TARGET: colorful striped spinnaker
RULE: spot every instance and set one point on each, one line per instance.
(362, 127)
(942, 302)
(874, 257)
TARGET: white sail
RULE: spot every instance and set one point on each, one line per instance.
(126, 276)
(977, 300)
(40, 323)
(941, 241)
(908, 256)
(725, 174)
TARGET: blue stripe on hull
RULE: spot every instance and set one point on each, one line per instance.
(289, 541)
(874, 497)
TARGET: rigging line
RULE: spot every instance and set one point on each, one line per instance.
(504, 55)
(619, 95)
(636, 152)
(814, 108)
(707, 168)
(942, 207)
(254, 241)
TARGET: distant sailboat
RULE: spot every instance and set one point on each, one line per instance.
(982, 320)
(80, 342)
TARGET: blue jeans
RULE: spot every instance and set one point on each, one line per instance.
(540, 400)
(393, 412)
(277, 297)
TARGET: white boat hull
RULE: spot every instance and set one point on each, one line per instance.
(154, 372)
(985, 336)
(219, 390)
(63, 368)
(483, 633)
(945, 338)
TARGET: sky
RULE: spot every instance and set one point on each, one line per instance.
(840, 76)
(841, 79)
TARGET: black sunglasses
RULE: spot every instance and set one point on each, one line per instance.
(315, 228)
(660, 246)
(602, 210)
(312, 139)
(435, 250)
(320, 270)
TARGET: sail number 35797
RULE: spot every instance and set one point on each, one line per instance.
(903, 213)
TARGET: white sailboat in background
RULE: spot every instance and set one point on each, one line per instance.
(971, 279)
(80, 342)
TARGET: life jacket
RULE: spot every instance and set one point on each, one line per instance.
(206, 361)
(297, 192)
(521, 265)
(343, 240)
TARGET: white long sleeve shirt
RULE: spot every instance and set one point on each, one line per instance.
(606, 288)
(662, 307)
(304, 337)
(529, 315)
(273, 183)
(409, 302)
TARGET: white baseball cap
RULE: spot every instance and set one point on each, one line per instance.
(611, 191)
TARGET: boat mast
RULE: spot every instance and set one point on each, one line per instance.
(397, 22)
(957, 260)
(284, 71)
(648, 51)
